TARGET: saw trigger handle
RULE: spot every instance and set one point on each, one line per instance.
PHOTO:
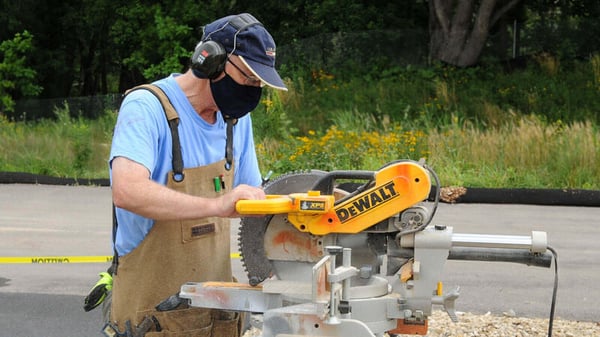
(273, 204)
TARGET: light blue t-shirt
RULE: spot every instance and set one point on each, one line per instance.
(142, 134)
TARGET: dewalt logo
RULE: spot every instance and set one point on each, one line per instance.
(367, 202)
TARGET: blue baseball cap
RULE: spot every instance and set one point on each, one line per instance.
(243, 35)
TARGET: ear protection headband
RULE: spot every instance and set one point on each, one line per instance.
(208, 60)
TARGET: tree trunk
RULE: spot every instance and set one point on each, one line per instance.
(459, 28)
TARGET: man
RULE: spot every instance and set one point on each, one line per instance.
(175, 179)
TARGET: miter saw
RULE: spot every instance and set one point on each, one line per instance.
(352, 253)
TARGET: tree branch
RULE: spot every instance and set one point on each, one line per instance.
(476, 40)
(461, 22)
(441, 13)
(500, 12)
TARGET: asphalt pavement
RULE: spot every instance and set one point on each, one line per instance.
(45, 298)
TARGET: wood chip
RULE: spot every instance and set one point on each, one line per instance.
(451, 194)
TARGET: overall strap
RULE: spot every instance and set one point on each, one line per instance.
(229, 143)
(173, 119)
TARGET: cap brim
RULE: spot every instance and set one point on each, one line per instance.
(268, 75)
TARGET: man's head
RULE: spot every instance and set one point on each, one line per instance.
(241, 35)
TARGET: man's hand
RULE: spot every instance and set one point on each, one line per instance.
(241, 192)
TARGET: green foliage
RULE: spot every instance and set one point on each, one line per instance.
(139, 47)
(432, 96)
(78, 132)
(570, 29)
(86, 47)
(344, 149)
(16, 77)
(156, 39)
(170, 33)
(271, 117)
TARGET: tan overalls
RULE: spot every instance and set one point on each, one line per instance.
(173, 253)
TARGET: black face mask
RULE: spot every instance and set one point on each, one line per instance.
(233, 99)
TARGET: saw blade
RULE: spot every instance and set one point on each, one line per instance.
(256, 255)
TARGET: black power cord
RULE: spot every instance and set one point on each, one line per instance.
(554, 291)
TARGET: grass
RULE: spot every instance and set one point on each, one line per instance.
(64, 147)
(536, 128)
(527, 153)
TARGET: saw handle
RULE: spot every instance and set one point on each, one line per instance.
(327, 182)
(273, 204)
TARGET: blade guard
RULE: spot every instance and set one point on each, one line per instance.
(397, 187)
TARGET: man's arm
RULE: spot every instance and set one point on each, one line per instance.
(133, 190)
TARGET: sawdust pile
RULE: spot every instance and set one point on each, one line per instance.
(487, 325)
(451, 194)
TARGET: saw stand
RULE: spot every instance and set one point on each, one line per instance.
(349, 301)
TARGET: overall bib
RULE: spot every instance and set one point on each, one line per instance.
(175, 252)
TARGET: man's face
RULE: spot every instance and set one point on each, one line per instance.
(235, 92)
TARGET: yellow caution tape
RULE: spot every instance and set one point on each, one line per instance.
(64, 259)
(55, 259)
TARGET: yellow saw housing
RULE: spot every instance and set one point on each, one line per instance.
(397, 187)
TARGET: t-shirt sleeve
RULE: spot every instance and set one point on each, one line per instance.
(137, 129)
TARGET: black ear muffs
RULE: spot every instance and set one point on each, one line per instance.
(208, 60)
